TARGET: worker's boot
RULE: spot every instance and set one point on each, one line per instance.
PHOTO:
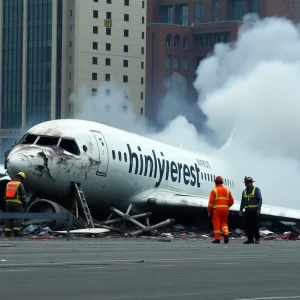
(248, 242)
(17, 233)
(7, 233)
(226, 239)
(216, 241)
(257, 241)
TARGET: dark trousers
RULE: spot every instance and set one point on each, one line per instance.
(13, 224)
(252, 224)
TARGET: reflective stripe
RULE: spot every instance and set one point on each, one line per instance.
(217, 231)
(218, 206)
(7, 229)
(250, 197)
(221, 198)
(13, 201)
(17, 228)
(210, 205)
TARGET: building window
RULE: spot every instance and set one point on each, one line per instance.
(70, 44)
(142, 110)
(125, 94)
(237, 10)
(107, 92)
(95, 29)
(96, 1)
(108, 31)
(168, 41)
(126, 18)
(215, 19)
(215, 6)
(94, 76)
(94, 92)
(126, 33)
(142, 65)
(185, 42)
(125, 78)
(125, 63)
(168, 61)
(70, 59)
(198, 12)
(184, 63)
(177, 41)
(108, 1)
(176, 62)
(95, 14)
(126, 2)
(95, 60)
(107, 47)
(143, 4)
(254, 6)
(143, 35)
(95, 45)
(142, 96)
(107, 77)
(143, 20)
(108, 15)
(125, 108)
(142, 80)
(107, 61)
(125, 48)
(166, 14)
(142, 50)
(181, 14)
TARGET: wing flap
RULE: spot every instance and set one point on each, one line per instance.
(169, 198)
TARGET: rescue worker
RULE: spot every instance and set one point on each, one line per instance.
(14, 196)
(220, 201)
(251, 202)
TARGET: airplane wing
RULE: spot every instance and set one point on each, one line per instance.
(170, 198)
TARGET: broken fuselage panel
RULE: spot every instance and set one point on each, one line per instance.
(52, 160)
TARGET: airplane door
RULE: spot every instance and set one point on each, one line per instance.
(103, 153)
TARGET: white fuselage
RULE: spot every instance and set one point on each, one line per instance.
(112, 165)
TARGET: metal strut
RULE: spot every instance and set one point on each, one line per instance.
(84, 205)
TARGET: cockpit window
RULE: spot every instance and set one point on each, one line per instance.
(70, 146)
(47, 141)
(29, 139)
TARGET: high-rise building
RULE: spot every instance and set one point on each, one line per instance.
(50, 48)
(181, 33)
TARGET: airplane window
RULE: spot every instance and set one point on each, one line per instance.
(29, 139)
(125, 157)
(114, 154)
(70, 146)
(211, 177)
(214, 177)
(201, 175)
(205, 176)
(120, 157)
(47, 141)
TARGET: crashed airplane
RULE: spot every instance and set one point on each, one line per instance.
(116, 168)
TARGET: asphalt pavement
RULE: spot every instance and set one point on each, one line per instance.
(120, 269)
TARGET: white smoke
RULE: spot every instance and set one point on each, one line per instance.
(250, 85)
(253, 86)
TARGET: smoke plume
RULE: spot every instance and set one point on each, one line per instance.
(250, 86)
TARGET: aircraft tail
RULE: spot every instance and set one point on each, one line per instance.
(229, 140)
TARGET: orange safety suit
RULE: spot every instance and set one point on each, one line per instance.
(220, 201)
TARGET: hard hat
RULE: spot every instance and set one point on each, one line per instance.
(21, 174)
(248, 179)
(219, 179)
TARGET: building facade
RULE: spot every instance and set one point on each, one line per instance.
(180, 33)
(50, 48)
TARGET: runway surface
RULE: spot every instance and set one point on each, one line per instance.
(117, 269)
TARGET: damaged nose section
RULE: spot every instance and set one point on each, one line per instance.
(40, 170)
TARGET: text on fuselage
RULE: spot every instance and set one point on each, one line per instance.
(154, 166)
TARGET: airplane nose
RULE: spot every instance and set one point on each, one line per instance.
(34, 163)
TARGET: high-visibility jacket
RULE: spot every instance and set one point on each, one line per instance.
(251, 202)
(220, 197)
(12, 192)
